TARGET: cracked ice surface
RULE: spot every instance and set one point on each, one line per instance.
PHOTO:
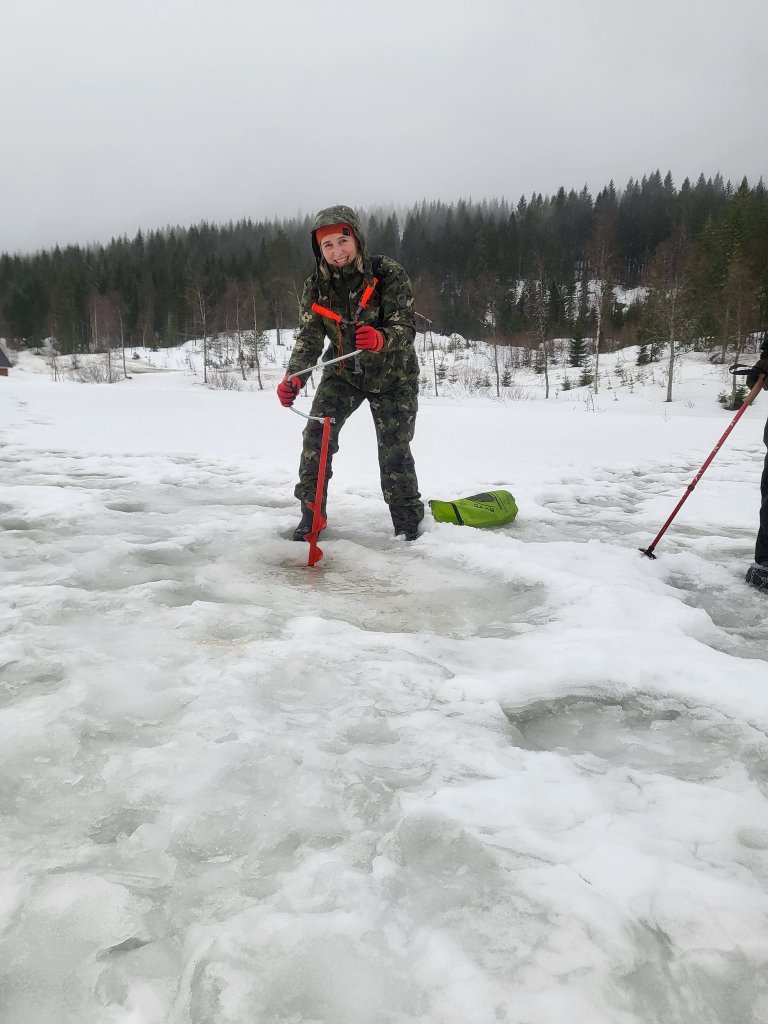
(515, 776)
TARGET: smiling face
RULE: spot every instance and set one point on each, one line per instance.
(339, 249)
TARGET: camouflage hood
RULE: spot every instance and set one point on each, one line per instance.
(339, 215)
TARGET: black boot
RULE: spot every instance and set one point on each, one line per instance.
(304, 526)
(407, 532)
(757, 576)
(406, 526)
(405, 520)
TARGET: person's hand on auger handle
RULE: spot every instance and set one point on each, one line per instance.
(368, 339)
(288, 389)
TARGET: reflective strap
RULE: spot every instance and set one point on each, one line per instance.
(324, 311)
(366, 298)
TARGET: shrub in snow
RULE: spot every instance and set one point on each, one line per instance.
(733, 399)
(98, 372)
(220, 380)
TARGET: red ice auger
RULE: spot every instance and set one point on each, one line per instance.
(319, 521)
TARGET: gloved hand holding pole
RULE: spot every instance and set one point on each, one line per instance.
(760, 367)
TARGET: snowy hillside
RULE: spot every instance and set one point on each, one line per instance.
(452, 367)
(491, 776)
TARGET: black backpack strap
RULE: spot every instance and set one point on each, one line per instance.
(378, 269)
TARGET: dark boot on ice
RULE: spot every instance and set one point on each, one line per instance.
(757, 576)
(305, 525)
(405, 522)
(407, 532)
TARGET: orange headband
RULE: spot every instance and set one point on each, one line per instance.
(332, 229)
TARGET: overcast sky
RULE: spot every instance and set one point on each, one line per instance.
(117, 115)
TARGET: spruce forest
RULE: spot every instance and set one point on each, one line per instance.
(664, 263)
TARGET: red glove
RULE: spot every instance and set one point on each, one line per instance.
(288, 389)
(369, 339)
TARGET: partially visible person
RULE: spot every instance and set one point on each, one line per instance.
(757, 574)
(384, 372)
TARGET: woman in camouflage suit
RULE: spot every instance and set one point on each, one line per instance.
(385, 372)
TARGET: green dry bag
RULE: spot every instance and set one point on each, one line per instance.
(493, 508)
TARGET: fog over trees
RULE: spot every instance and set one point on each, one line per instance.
(630, 265)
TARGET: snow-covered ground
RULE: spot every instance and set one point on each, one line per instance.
(513, 776)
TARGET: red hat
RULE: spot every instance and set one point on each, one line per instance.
(333, 229)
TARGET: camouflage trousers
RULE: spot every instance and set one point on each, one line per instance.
(394, 417)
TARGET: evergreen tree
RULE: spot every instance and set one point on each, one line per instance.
(466, 260)
(577, 348)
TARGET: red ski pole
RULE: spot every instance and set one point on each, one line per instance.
(318, 519)
(746, 404)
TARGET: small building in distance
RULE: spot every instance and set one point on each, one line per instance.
(5, 364)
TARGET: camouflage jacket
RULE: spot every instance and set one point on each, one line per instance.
(389, 310)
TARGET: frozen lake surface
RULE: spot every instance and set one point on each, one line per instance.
(512, 776)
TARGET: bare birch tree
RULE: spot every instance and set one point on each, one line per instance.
(201, 315)
(602, 261)
(670, 317)
(540, 315)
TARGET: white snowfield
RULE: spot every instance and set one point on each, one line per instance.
(514, 776)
